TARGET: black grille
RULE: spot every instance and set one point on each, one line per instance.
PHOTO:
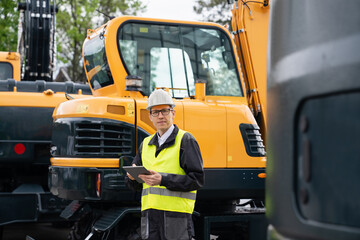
(252, 139)
(102, 139)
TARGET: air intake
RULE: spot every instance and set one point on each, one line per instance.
(102, 139)
(252, 139)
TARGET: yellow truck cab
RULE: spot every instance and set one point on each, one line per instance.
(125, 60)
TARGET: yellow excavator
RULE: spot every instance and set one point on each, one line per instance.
(217, 79)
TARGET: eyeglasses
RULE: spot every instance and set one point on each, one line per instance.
(164, 112)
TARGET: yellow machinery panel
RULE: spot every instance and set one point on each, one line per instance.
(207, 122)
(250, 26)
(237, 156)
(121, 109)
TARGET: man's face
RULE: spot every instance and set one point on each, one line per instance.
(162, 122)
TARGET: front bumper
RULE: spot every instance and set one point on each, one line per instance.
(80, 183)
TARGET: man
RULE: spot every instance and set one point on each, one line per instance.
(174, 160)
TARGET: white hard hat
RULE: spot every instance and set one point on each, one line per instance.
(159, 97)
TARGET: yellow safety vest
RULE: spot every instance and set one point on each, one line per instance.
(168, 161)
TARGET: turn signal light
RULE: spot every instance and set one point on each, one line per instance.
(262, 175)
(98, 184)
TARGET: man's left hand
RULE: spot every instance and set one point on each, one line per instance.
(151, 180)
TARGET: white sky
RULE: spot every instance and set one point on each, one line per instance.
(170, 9)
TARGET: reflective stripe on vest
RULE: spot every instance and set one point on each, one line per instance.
(167, 161)
(166, 192)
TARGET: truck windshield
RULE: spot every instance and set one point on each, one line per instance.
(174, 56)
(96, 64)
(6, 71)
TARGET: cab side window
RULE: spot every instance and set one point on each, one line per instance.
(6, 71)
(170, 68)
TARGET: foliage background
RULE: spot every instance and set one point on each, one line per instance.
(9, 17)
(214, 11)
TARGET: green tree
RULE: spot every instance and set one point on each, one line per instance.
(9, 24)
(73, 20)
(218, 11)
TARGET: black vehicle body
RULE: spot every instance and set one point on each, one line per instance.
(312, 188)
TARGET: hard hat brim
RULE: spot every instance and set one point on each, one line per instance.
(149, 107)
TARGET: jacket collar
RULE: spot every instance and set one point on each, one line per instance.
(170, 141)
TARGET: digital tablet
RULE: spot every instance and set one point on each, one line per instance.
(134, 171)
